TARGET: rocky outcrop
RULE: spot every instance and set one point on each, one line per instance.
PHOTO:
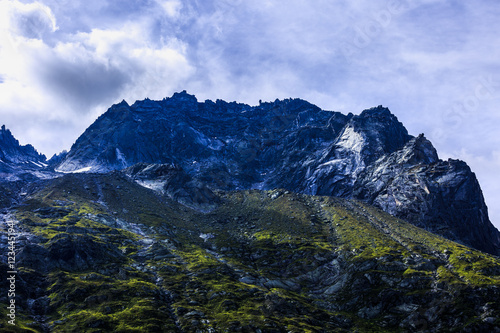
(443, 197)
(174, 183)
(19, 163)
(293, 144)
(12, 152)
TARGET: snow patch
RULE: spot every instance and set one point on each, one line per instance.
(82, 170)
(351, 140)
(120, 157)
(157, 186)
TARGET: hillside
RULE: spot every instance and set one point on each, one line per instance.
(101, 253)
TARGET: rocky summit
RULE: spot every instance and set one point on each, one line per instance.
(18, 161)
(294, 145)
(181, 216)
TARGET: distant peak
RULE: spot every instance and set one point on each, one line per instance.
(376, 111)
(11, 150)
(183, 95)
(123, 103)
(6, 132)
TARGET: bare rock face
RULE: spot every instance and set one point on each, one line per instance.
(174, 183)
(295, 145)
(18, 164)
(443, 197)
(12, 152)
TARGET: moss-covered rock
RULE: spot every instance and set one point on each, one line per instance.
(101, 253)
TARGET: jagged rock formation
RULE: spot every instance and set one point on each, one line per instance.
(57, 158)
(18, 165)
(293, 144)
(441, 196)
(12, 152)
(173, 182)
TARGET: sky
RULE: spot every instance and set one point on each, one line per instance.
(434, 63)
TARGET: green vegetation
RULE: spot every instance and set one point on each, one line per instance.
(124, 259)
(22, 322)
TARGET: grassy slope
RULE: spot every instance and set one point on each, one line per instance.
(274, 261)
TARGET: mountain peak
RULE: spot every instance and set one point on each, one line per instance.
(379, 115)
(381, 129)
(183, 96)
(11, 151)
(123, 103)
(376, 111)
(424, 150)
(289, 144)
(6, 134)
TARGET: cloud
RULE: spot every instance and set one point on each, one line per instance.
(172, 8)
(33, 20)
(59, 84)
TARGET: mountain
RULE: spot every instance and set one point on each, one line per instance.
(102, 253)
(181, 216)
(294, 145)
(12, 152)
(18, 164)
(15, 158)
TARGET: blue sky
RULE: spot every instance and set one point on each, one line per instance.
(434, 63)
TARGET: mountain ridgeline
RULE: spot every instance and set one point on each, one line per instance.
(14, 158)
(293, 145)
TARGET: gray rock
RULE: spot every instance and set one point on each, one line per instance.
(247, 279)
(197, 314)
(370, 312)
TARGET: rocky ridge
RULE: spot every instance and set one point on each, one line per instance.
(294, 145)
(16, 161)
(169, 247)
(12, 152)
(19, 165)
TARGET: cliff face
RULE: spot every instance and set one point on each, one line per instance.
(443, 197)
(17, 164)
(293, 144)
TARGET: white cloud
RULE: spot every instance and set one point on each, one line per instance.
(59, 84)
(172, 7)
(31, 20)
